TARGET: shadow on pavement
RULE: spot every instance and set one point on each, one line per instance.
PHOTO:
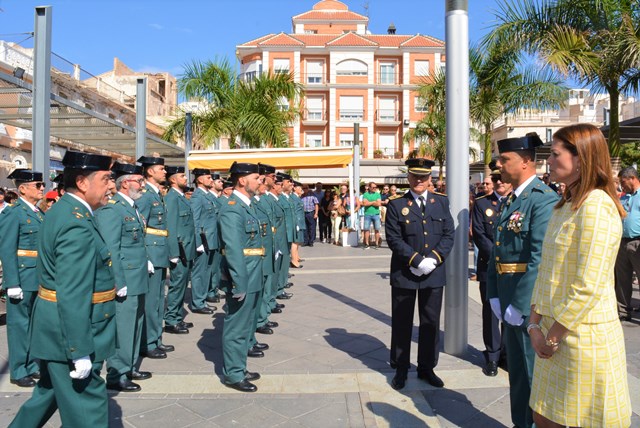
(210, 342)
(458, 410)
(115, 414)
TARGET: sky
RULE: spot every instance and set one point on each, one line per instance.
(164, 35)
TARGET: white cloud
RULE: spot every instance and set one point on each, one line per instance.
(156, 26)
(184, 30)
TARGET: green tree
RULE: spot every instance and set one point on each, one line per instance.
(593, 41)
(256, 112)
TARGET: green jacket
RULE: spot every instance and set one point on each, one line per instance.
(180, 225)
(151, 208)
(75, 262)
(19, 229)
(205, 217)
(280, 235)
(265, 217)
(123, 232)
(289, 216)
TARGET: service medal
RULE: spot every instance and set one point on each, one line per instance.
(489, 212)
(405, 211)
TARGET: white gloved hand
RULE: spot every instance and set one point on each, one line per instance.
(297, 228)
(200, 249)
(150, 267)
(427, 265)
(278, 254)
(239, 296)
(15, 293)
(416, 271)
(174, 260)
(122, 292)
(495, 307)
(82, 368)
(513, 316)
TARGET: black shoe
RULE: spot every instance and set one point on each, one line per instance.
(136, 375)
(176, 329)
(155, 354)
(166, 348)
(255, 353)
(295, 267)
(272, 324)
(124, 386)
(261, 346)
(24, 382)
(184, 324)
(490, 369)
(204, 311)
(280, 305)
(213, 299)
(264, 330)
(35, 375)
(431, 378)
(276, 311)
(284, 296)
(243, 386)
(399, 380)
(288, 285)
(291, 275)
(251, 376)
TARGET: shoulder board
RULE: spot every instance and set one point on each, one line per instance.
(439, 194)
(144, 190)
(481, 197)
(231, 202)
(11, 205)
(111, 201)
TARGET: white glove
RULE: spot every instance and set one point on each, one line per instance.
(427, 265)
(83, 368)
(239, 296)
(416, 271)
(513, 316)
(15, 293)
(297, 228)
(150, 267)
(495, 307)
(200, 249)
(174, 260)
(278, 254)
(122, 292)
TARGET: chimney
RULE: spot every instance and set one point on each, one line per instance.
(391, 29)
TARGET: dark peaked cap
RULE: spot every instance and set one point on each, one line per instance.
(150, 160)
(86, 161)
(239, 168)
(173, 170)
(120, 169)
(284, 176)
(419, 166)
(528, 142)
(268, 169)
(198, 172)
(25, 175)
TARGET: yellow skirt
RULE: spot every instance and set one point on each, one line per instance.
(585, 382)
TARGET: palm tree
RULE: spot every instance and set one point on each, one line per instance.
(597, 42)
(254, 112)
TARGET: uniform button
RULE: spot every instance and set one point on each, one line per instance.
(72, 349)
(490, 222)
(106, 315)
(498, 244)
(425, 233)
(497, 259)
(424, 221)
(426, 245)
(499, 228)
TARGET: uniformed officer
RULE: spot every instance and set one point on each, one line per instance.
(287, 205)
(243, 253)
(182, 249)
(205, 218)
(295, 198)
(151, 208)
(514, 262)
(216, 192)
(281, 246)
(419, 230)
(19, 227)
(72, 332)
(122, 227)
(227, 188)
(484, 215)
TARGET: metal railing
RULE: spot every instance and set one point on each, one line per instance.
(313, 78)
(387, 115)
(314, 114)
(351, 114)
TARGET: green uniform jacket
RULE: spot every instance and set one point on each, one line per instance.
(180, 225)
(289, 216)
(298, 209)
(265, 217)
(522, 244)
(240, 233)
(205, 217)
(151, 208)
(279, 223)
(75, 262)
(123, 232)
(19, 228)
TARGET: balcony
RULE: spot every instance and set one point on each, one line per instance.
(387, 117)
(352, 115)
(314, 117)
(313, 79)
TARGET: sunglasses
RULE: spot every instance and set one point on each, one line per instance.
(38, 185)
(140, 181)
(496, 178)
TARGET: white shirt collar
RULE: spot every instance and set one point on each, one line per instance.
(126, 198)
(179, 192)
(29, 204)
(154, 188)
(416, 196)
(242, 197)
(82, 201)
(272, 194)
(523, 185)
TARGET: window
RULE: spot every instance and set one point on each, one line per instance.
(310, 31)
(346, 140)
(420, 104)
(314, 140)
(387, 73)
(252, 70)
(351, 67)
(421, 67)
(283, 103)
(387, 109)
(351, 108)
(314, 108)
(281, 65)
(314, 71)
(387, 143)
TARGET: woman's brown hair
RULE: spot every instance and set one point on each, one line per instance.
(587, 142)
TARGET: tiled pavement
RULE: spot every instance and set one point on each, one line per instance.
(327, 366)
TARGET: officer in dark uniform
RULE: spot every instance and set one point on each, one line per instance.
(285, 201)
(19, 227)
(72, 328)
(484, 216)
(515, 257)
(280, 245)
(214, 286)
(419, 230)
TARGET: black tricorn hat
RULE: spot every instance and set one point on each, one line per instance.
(86, 161)
(59, 178)
(240, 168)
(120, 169)
(284, 176)
(227, 184)
(419, 166)
(528, 142)
(25, 175)
(268, 169)
(197, 172)
(173, 170)
(150, 160)
(215, 176)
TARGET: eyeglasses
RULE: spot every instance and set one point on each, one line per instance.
(140, 181)
(496, 178)
(38, 185)
(486, 184)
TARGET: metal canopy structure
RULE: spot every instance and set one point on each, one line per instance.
(629, 130)
(77, 124)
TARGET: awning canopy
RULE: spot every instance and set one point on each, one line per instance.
(629, 130)
(289, 158)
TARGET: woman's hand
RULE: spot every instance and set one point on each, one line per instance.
(538, 343)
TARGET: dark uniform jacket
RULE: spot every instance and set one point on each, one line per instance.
(180, 225)
(279, 224)
(483, 217)
(412, 238)
(205, 217)
(151, 208)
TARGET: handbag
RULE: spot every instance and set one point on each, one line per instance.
(341, 211)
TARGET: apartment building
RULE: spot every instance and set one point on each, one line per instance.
(350, 76)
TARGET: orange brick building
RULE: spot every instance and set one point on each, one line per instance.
(349, 75)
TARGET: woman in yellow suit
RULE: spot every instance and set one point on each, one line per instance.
(580, 372)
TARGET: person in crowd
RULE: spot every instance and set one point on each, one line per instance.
(227, 188)
(561, 189)
(384, 200)
(318, 192)
(10, 197)
(311, 207)
(3, 202)
(76, 283)
(216, 192)
(283, 225)
(112, 187)
(441, 187)
(59, 181)
(324, 216)
(580, 372)
(419, 230)
(486, 187)
(47, 202)
(346, 204)
(393, 190)
(20, 226)
(371, 202)
(336, 219)
(628, 260)
(291, 225)
(515, 257)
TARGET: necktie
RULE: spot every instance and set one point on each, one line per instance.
(423, 204)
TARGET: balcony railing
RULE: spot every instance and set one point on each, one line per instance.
(387, 78)
(311, 114)
(314, 79)
(387, 115)
(351, 115)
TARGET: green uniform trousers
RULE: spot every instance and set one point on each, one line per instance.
(201, 279)
(153, 311)
(239, 326)
(178, 278)
(520, 357)
(21, 364)
(268, 294)
(129, 316)
(82, 402)
(214, 286)
(283, 277)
